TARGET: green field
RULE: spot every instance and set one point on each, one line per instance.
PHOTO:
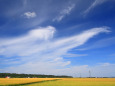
(78, 82)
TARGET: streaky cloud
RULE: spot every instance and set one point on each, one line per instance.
(64, 12)
(39, 49)
(93, 5)
(100, 44)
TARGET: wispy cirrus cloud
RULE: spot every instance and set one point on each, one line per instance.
(74, 55)
(106, 64)
(39, 49)
(64, 12)
(93, 5)
(100, 44)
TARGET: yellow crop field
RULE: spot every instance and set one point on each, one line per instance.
(58, 81)
(78, 82)
(11, 81)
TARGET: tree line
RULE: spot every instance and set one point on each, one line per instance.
(15, 75)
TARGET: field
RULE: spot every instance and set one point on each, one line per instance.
(59, 82)
(21, 81)
(79, 82)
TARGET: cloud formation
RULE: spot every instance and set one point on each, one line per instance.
(99, 70)
(93, 5)
(64, 12)
(100, 44)
(30, 14)
(38, 49)
(106, 64)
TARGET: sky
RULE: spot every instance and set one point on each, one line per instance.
(58, 37)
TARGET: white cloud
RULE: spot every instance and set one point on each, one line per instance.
(64, 12)
(76, 71)
(74, 55)
(106, 64)
(93, 5)
(100, 44)
(39, 51)
(17, 45)
(30, 14)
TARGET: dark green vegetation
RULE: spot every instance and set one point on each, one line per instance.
(14, 75)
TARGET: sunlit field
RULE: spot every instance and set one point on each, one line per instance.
(15, 81)
(58, 82)
(78, 82)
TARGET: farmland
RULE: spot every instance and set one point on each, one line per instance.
(59, 81)
(79, 82)
(15, 81)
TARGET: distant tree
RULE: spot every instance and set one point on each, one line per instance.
(14, 75)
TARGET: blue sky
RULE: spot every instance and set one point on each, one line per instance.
(60, 37)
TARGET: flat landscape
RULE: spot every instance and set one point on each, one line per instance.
(57, 42)
(22, 81)
(58, 82)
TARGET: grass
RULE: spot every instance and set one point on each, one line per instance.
(58, 82)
